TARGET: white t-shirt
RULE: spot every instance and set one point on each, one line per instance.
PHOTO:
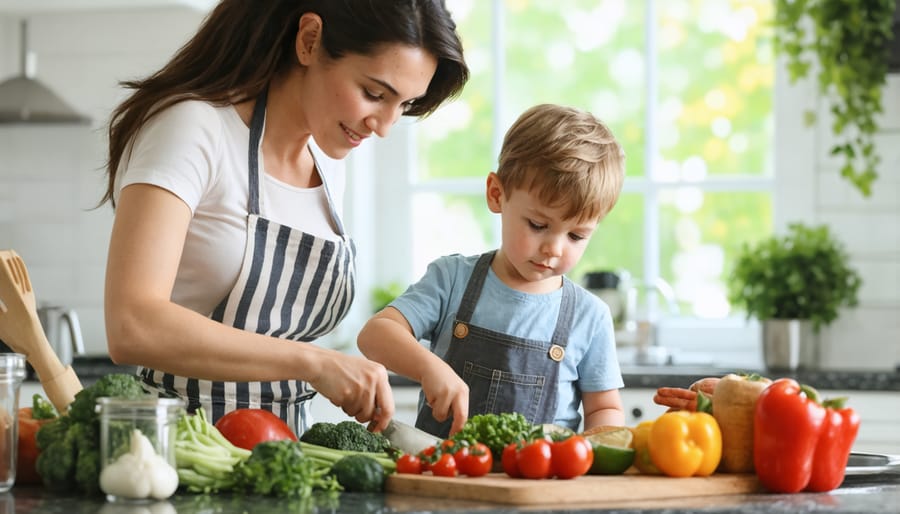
(198, 152)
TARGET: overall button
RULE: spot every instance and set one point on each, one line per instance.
(557, 352)
(461, 330)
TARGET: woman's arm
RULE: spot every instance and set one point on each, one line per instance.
(388, 338)
(144, 327)
(602, 408)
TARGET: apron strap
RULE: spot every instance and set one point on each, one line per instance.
(257, 122)
(566, 314)
(473, 289)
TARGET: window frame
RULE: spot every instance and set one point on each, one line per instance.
(384, 181)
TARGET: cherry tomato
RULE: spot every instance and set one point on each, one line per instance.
(448, 446)
(409, 464)
(444, 467)
(245, 428)
(571, 457)
(508, 460)
(534, 460)
(427, 456)
(474, 461)
(461, 456)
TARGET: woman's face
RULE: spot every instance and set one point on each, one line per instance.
(347, 100)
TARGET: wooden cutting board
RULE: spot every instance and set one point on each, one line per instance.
(594, 489)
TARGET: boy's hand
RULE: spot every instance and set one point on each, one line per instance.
(446, 393)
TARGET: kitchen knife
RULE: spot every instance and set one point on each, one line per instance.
(407, 438)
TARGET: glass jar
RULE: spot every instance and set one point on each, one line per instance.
(12, 373)
(121, 420)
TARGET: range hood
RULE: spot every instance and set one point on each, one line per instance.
(24, 99)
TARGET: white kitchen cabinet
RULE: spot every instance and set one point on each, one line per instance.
(638, 405)
(879, 412)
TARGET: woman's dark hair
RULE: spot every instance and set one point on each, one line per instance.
(243, 44)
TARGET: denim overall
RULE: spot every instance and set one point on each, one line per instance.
(504, 373)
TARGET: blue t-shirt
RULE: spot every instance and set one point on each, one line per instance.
(590, 362)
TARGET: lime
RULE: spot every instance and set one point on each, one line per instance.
(613, 452)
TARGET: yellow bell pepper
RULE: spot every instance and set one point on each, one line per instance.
(641, 443)
(684, 444)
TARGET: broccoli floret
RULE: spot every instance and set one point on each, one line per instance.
(346, 435)
(70, 445)
(359, 473)
(86, 437)
(52, 431)
(354, 436)
(56, 464)
(321, 433)
(118, 385)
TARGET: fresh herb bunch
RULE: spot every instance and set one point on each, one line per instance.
(849, 42)
(803, 275)
(280, 468)
(496, 431)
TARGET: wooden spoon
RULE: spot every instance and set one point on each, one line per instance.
(21, 330)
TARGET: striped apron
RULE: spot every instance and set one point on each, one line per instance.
(291, 285)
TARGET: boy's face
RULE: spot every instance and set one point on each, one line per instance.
(538, 245)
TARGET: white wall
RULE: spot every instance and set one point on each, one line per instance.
(810, 189)
(51, 177)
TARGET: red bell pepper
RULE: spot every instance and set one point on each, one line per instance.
(30, 421)
(798, 442)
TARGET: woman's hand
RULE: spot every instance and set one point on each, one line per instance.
(358, 386)
(446, 393)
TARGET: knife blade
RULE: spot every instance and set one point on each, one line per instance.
(408, 438)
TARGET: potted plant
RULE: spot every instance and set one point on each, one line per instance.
(848, 42)
(794, 285)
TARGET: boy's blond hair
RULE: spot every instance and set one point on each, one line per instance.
(568, 156)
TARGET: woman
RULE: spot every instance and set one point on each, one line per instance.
(227, 249)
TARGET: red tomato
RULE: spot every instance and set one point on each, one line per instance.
(474, 461)
(409, 464)
(508, 460)
(571, 457)
(444, 467)
(534, 460)
(245, 428)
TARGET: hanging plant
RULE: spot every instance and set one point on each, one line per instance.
(849, 43)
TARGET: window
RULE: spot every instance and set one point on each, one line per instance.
(686, 86)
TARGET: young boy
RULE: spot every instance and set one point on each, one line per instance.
(508, 331)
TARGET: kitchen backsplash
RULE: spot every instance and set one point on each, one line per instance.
(51, 177)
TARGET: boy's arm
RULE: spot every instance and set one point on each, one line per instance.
(602, 408)
(388, 338)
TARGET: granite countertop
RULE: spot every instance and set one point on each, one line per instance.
(875, 494)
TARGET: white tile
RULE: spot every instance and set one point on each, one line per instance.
(865, 234)
(880, 281)
(862, 339)
(47, 201)
(45, 244)
(93, 329)
(890, 118)
(53, 283)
